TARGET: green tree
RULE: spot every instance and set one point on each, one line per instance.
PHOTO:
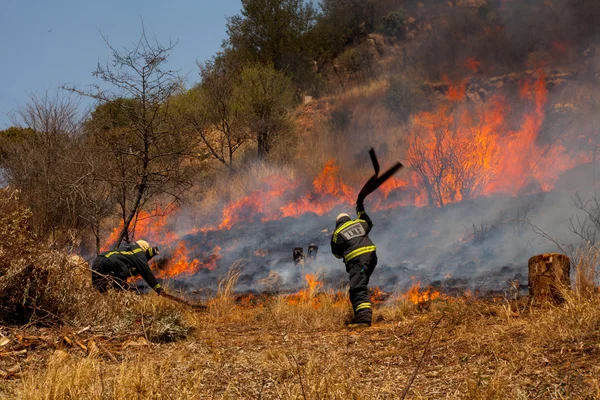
(394, 24)
(113, 114)
(265, 98)
(348, 21)
(11, 136)
(272, 31)
(213, 113)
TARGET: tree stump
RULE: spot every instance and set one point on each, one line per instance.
(548, 276)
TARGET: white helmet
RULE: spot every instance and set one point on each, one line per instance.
(143, 245)
(340, 216)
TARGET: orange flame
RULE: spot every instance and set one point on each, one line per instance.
(181, 264)
(466, 150)
(328, 192)
(473, 65)
(378, 296)
(307, 295)
(154, 227)
(463, 152)
(455, 93)
(150, 225)
(418, 296)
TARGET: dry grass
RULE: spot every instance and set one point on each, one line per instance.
(290, 347)
(371, 124)
(229, 188)
(586, 277)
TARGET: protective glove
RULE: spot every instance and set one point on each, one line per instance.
(160, 291)
(360, 207)
(151, 252)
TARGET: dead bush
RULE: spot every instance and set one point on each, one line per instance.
(50, 287)
(42, 289)
(33, 282)
(163, 321)
(17, 242)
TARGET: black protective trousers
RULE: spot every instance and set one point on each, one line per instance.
(360, 272)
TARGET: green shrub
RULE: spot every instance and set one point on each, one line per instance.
(357, 61)
(341, 118)
(394, 23)
(404, 97)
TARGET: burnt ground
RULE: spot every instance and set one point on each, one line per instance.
(481, 245)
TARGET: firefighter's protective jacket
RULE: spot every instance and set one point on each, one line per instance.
(130, 260)
(350, 239)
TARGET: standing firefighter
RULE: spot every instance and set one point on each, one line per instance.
(351, 242)
(112, 268)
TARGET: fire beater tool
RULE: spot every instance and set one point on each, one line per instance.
(182, 301)
(376, 180)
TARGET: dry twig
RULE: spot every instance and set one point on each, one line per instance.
(416, 371)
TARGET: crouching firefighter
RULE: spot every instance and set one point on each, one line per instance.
(351, 242)
(112, 268)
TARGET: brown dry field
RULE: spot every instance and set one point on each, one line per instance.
(299, 348)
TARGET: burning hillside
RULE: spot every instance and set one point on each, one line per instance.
(469, 161)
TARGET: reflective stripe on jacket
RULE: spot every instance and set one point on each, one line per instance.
(350, 239)
(130, 260)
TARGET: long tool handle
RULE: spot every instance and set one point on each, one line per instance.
(375, 181)
(182, 301)
(367, 189)
(374, 160)
(388, 174)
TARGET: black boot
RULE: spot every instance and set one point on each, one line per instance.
(362, 317)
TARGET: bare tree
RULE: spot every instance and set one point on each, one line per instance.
(95, 193)
(143, 141)
(37, 157)
(428, 160)
(453, 162)
(47, 156)
(587, 224)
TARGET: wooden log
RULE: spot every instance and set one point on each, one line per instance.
(548, 277)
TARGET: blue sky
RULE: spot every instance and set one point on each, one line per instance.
(47, 43)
